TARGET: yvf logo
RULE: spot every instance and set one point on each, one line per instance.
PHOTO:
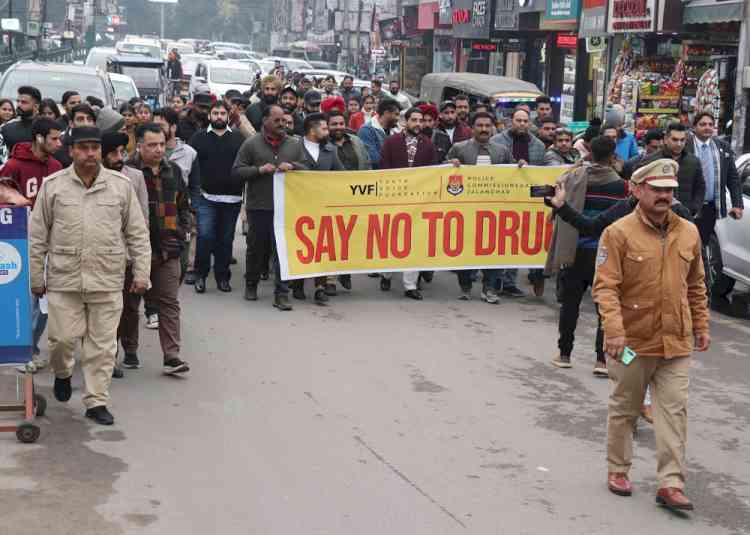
(6, 216)
(364, 189)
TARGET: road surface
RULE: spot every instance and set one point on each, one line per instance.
(374, 415)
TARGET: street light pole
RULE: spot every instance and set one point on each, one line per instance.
(162, 20)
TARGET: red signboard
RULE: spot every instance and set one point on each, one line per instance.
(567, 41)
(484, 47)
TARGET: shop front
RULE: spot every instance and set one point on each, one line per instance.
(669, 65)
(592, 29)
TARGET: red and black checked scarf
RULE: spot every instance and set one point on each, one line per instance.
(274, 142)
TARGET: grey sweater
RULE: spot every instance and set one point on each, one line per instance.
(254, 154)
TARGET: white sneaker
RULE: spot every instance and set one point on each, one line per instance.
(152, 322)
(489, 295)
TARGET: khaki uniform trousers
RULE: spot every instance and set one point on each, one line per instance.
(669, 393)
(91, 318)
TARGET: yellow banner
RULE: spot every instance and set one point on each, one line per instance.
(427, 218)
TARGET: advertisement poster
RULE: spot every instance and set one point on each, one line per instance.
(15, 291)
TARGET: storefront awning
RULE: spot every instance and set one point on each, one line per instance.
(708, 11)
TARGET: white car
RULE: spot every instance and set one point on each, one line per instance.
(125, 88)
(221, 76)
(291, 64)
(729, 253)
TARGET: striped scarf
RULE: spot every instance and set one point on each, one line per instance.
(162, 196)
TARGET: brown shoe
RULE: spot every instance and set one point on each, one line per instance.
(673, 498)
(647, 414)
(619, 484)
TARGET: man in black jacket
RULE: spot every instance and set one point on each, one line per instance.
(692, 189)
(258, 159)
(270, 86)
(196, 118)
(18, 130)
(319, 155)
(220, 198)
(719, 173)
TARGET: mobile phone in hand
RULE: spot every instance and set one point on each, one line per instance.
(628, 356)
(542, 191)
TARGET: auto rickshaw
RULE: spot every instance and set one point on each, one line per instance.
(503, 93)
(147, 73)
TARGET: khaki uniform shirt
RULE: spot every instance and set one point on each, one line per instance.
(650, 286)
(86, 233)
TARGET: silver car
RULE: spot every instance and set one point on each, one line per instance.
(729, 252)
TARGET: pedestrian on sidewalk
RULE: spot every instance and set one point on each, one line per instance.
(268, 151)
(651, 293)
(169, 223)
(220, 198)
(86, 221)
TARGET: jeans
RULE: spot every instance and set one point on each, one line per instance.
(38, 324)
(216, 225)
(574, 281)
(490, 278)
(261, 243)
(508, 278)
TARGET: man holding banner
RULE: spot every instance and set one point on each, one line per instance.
(479, 151)
(268, 151)
(407, 149)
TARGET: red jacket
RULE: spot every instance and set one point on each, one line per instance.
(25, 172)
(393, 154)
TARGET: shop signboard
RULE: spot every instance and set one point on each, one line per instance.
(593, 18)
(471, 19)
(506, 15)
(445, 13)
(630, 16)
(559, 10)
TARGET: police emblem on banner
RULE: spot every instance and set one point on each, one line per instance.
(455, 184)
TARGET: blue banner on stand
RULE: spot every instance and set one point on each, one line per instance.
(15, 291)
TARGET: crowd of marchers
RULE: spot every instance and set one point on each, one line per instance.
(129, 204)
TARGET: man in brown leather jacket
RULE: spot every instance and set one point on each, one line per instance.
(651, 293)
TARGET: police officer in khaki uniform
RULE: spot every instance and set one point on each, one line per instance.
(651, 293)
(87, 220)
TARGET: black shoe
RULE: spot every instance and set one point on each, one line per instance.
(131, 361)
(512, 291)
(345, 281)
(413, 294)
(117, 373)
(299, 293)
(233, 261)
(174, 366)
(330, 290)
(200, 285)
(320, 297)
(281, 301)
(264, 276)
(190, 277)
(100, 415)
(251, 292)
(373, 275)
(385, 284)
(63, 389)
(427, 276)
(224, 286)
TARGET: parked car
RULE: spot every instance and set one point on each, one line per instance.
(729, 251)
(223, 75)
(125, 87)
(97, 57)
(291, 64)
(54, 79)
